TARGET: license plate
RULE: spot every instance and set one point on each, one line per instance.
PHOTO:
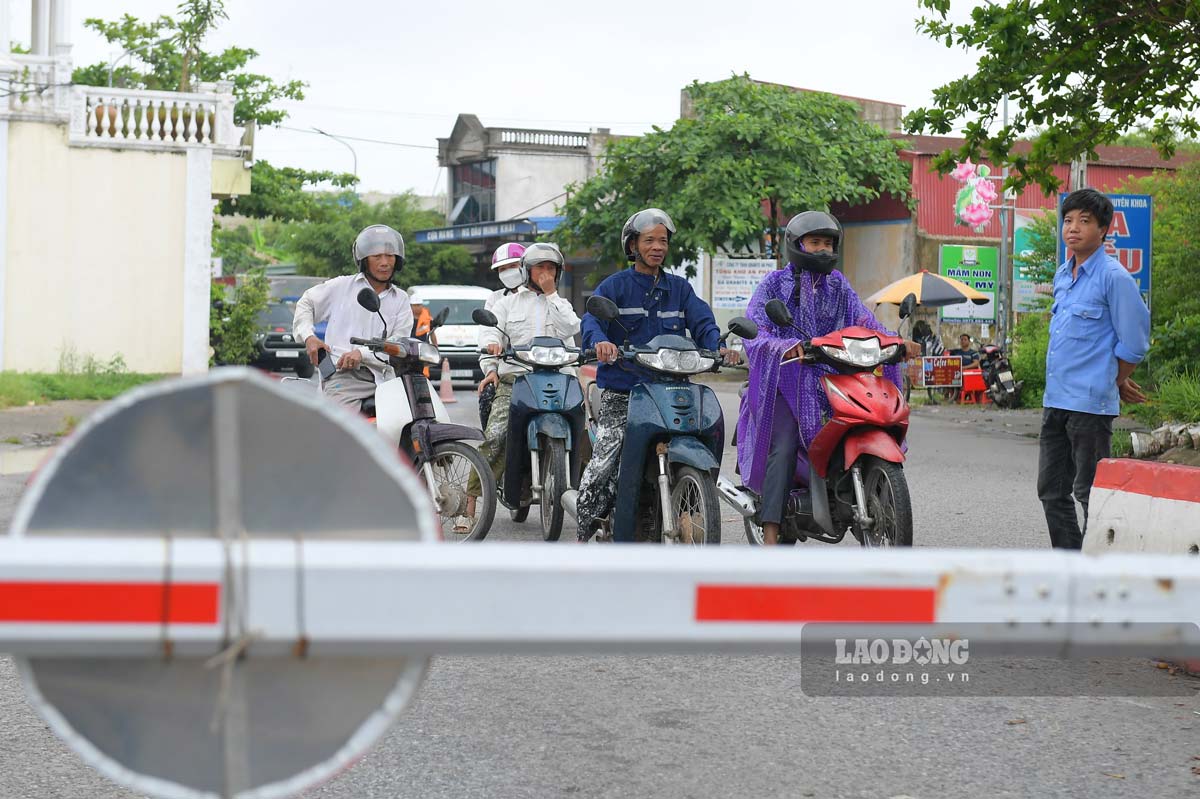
(461, 373)
(287, 353)
(1006, 377)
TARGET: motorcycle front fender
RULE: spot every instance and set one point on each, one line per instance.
(870, 441)
(550, 425)
(688, 451)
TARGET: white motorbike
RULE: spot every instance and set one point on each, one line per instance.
(410, 414)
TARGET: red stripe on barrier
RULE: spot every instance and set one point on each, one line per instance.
(109, 603)
(752, 603)
(1166, 480)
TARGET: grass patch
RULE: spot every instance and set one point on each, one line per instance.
(1122, 444)
(23, 388)
(12, 440)
(1175, 399)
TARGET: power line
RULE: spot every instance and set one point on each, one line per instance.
(359, 138)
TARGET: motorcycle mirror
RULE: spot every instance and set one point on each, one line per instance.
(742, 327)
(778, 313)
(908, 305)
(440, 319)
(484, 317)
(368, 299)
(602, 308)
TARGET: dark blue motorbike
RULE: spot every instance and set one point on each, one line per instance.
(545, 429)
(674, 438)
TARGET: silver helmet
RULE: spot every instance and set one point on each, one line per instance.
(642, 221)
(540, 253)
(377, 240)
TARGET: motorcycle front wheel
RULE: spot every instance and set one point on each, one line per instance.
(453, 464)
(553, 459)
(888, 504)
(696, 508)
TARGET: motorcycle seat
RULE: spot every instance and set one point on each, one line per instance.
(368, 406)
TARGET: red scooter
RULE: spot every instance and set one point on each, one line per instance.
(856, 461)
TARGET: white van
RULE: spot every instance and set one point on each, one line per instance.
(458, 338)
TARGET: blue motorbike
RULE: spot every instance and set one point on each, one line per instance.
(674, 439)
(546, 428)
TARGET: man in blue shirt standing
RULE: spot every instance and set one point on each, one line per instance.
(1099, 331)
(651, 302)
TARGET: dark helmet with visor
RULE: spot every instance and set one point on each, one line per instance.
(810, 223)
(642, 221)
(378, 240)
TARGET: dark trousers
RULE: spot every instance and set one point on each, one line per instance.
(1070, 446)
(781, 462)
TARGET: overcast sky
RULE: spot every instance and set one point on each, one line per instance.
(401, 72)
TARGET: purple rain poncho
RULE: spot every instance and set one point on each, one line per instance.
(820, 304)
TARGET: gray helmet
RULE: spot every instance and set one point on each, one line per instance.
(805, 224)
(642, 221)
(378, 240)
(540, 253)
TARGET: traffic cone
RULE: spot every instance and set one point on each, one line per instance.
(446, 390)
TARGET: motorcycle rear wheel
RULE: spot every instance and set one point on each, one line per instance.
(888, 504)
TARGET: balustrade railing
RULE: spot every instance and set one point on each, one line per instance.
(135, 117)
(31, 85)
(543, 138)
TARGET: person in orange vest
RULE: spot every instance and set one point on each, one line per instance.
(422, 323)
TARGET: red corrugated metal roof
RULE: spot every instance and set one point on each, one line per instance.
(1111, 154)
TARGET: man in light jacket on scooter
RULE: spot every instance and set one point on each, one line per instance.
(378, 253)
(784, 407)
(651, 302)
(533, 309)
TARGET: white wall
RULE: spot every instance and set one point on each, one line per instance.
(105, 254)
(524, 181)
(876, 254)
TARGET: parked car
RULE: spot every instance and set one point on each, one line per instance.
(458, 338)
(277, 350)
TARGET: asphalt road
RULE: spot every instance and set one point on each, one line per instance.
(738, 726)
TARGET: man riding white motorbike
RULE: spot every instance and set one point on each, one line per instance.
(378, 253)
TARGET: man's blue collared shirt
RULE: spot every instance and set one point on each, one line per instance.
(1098, 317)
(648, 308)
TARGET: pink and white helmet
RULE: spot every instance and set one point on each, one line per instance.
(507, 254)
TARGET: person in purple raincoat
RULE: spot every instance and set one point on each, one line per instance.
(785, 405)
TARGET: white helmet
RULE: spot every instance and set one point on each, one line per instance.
(377, 240)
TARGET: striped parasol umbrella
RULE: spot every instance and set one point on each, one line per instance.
(932, 290)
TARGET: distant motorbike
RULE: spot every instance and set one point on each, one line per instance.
(545, 428)
(856, 461)
(1002, 389)
(674, 438)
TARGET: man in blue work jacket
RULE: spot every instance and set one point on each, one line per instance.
(651, 302)
(1099, 331)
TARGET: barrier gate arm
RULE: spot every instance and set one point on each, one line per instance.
(112, 596)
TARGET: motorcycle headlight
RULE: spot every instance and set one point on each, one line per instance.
(428, 353)
(548, 356)
(860, 352)
(683, 362)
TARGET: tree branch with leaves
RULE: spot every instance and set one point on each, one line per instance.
(1079, 74)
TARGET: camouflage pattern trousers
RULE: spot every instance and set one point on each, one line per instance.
(598, 486)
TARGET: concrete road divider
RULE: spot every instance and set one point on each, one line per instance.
(1144, 506)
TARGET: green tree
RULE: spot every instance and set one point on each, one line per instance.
(321, 246)
(286, 194)
(1039, 261)
(166, 55)
(234, 320)
(749, 145)
(1079, 73)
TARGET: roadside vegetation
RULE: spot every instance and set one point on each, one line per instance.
(78, 378)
